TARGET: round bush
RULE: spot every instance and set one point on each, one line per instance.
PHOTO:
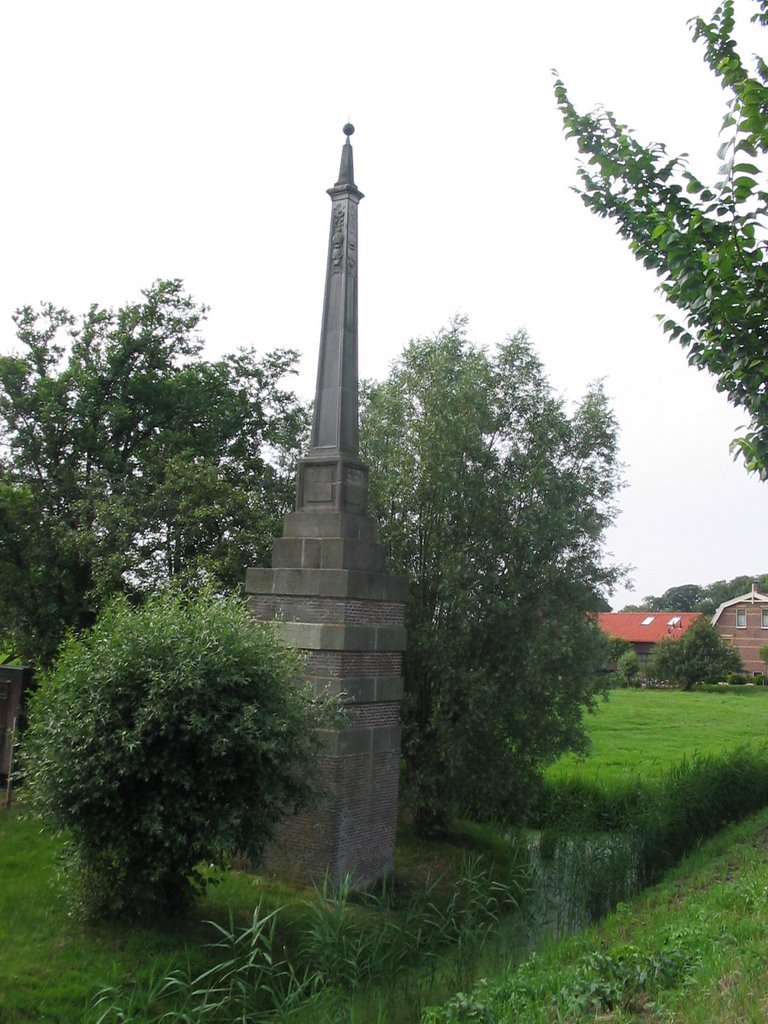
(170, 735)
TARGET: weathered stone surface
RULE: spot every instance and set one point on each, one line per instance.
(330, 524)
(329, 595)
(386, 739)
(321, 636)
(327, 553)
(373, 586)
(311, 608)
(349, 832)
(333, 482)
(335, 420)
(341, 664)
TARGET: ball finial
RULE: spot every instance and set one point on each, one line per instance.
(348, 129)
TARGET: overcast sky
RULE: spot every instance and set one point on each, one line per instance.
(161, 138)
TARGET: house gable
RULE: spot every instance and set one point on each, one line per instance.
(743, 621)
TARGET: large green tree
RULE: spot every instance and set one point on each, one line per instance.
(128, 459)
(707, 243)
(494, 501)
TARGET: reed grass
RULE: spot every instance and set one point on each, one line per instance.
(344, 944)
(52, 964)
(692, 949)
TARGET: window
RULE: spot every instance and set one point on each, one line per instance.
(674, 620)
(741, 618)
(764, 618)
(648, 621)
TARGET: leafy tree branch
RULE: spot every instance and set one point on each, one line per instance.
(705, 242)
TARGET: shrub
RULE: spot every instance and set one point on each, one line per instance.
(738, 679)
(628, 669)
(169, 735)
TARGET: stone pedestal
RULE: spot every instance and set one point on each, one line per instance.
(332, 598)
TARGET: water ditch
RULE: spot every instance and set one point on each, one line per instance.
(577, 879)
(573, 880)
(421, 955)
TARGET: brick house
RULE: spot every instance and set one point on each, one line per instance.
(646, 629)
(744, 622)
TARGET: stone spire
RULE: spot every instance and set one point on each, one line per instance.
(329, 595)
(332, 475)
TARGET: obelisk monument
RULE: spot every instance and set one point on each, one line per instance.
(330, 594)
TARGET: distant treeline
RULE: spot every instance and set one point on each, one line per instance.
(690, 597)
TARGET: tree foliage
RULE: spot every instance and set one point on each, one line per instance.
(615, 647)
(168, 735)
(700, 655)
(628, 668)
(705, 242)
(690, 597)
(127, 459)
(493, 500)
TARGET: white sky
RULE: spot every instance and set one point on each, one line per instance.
(161, 138)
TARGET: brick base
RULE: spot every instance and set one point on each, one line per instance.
(331, 598)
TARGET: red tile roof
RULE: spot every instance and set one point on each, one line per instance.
(658, 625)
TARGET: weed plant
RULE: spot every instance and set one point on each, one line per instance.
(345, 942)
(691, 950)
(601, 845)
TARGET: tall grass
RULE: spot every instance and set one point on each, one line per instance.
(344, 943)
(668, 815)
(695, 800)
(693, 950)
(578, 878)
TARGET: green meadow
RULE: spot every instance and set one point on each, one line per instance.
(643, 959)
(644, 732)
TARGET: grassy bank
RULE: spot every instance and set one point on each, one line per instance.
(693, 950)
(667, 768)
(52, 963)
(382, 961)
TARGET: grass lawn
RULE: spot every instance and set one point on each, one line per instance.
(645, 731)
(52, 963)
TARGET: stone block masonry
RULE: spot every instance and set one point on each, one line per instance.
(331, 597)
(353, 647)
